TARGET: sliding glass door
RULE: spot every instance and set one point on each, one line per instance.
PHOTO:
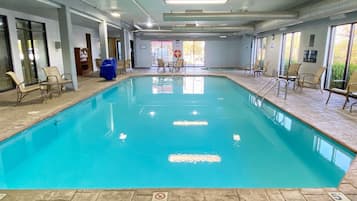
(5, 56)
(290, 50)
(260, 51)
(161, 50)
(33, 49)
(342, 55)
(194, 53)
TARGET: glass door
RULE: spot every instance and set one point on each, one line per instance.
(342, 55)
(261, 51)
(39, 47)
(33, 49)
(353, 57)
(161, 50)
(5, 56)
(26, 52)
(194, 53)
(290, 50)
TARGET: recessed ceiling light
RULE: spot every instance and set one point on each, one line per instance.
(195, 1)
(115, 14)
(223, 36)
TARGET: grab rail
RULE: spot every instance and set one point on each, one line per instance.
(270, 85)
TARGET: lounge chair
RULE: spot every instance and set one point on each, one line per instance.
(22, 90)
(161, 64)
(349, 91)
(312, 79)
(292, 74)
(53, 76)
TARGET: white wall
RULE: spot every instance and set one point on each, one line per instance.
(142, 53)
(52, 31)
(53, 35)
(218, 53)
(79, 40)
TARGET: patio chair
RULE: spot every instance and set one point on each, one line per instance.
(292, 74)
(160, 64)
(21, 89)
(127, 64)
(257, 70)
(178, 65)
(53, 76)
(312, 79)
(350, 90)
(121, 67)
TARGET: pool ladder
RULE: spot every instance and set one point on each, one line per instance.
(270, 85)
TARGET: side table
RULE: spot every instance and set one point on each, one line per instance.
(48, 88)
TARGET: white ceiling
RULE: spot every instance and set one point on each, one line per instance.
(132, 14)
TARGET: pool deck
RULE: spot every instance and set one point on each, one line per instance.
(307, 105)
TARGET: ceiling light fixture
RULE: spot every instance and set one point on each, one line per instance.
(114, 26)
(195, 1)
(227, 16)
(50, 3)
(85, 15)
(223, 36)
(115, 14)
(149, 24)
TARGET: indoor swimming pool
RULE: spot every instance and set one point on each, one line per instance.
(172, 132)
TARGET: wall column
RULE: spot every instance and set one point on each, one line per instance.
(103, 35)
(65, 25)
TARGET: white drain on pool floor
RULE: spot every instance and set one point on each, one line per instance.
(2, 195)
(338, 196)
(159, 196)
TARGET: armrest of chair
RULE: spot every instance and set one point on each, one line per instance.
(64, 76)
(353, 84)
(306, 75)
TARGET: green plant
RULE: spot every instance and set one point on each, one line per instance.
(338, 73)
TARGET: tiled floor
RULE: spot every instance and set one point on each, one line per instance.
(307, 105)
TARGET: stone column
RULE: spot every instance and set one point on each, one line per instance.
(65, 24)
(103, 35)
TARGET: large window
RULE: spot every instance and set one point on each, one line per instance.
(5, 56)
(290, 50)
(194, 53)
(33, 49)
(161, 50)
(261, 44)
(342, 59)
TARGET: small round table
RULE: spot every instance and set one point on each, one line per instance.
(48, 88)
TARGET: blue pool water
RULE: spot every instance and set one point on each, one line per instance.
(171, 132)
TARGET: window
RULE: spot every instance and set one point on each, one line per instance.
(261, 44)
(5, 56)
(194, 53)
(290, 50)
(33, 49)
(161, 50)
(342, 60)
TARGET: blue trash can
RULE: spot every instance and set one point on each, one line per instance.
(108, 69)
